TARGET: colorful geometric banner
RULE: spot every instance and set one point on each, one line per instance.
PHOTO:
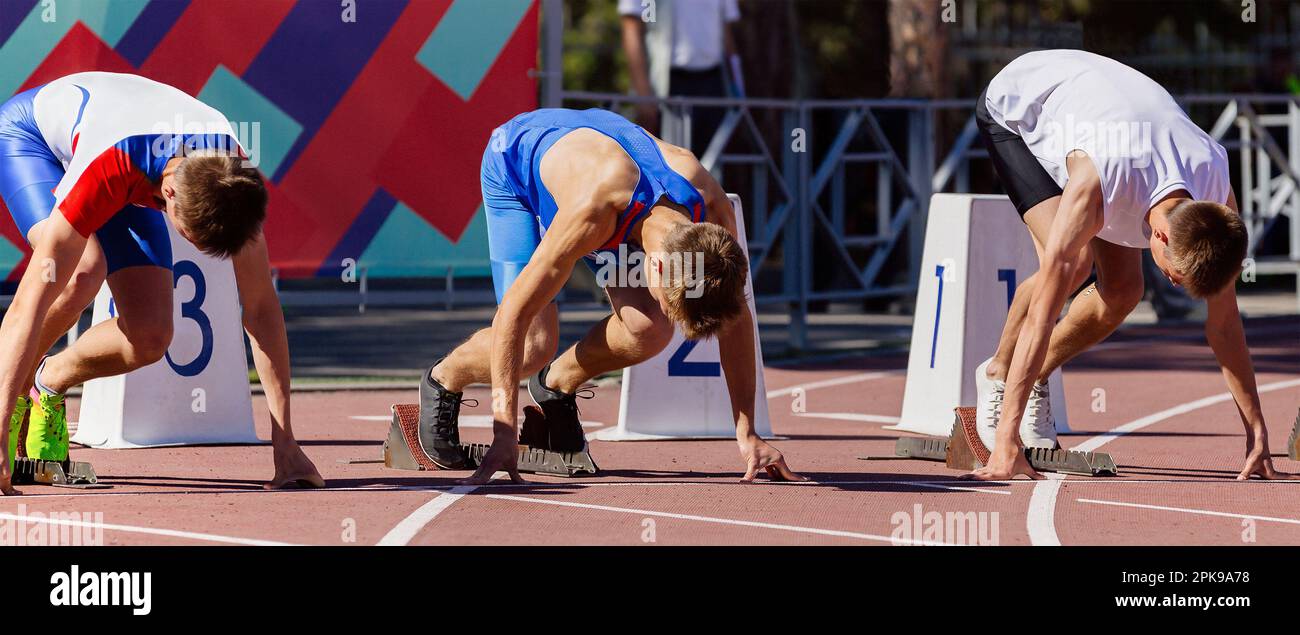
(370, 116)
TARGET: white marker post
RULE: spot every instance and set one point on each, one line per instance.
(681, 392)
(976, 251)
(199, 393)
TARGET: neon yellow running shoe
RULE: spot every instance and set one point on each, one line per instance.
(47, 432)
(16, 426)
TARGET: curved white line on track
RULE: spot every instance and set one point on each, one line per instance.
(1041, 517)
(1042, 505)
(152, 531)
(721, 521)
(405, 531)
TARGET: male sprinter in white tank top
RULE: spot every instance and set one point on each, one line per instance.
(1101, 163)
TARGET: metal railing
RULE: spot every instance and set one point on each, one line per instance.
(797, 200)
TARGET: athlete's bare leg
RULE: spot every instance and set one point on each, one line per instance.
(1039, 220)
(470, 362)
(76, 296)
(139, 336)
(636, 331)
(1096, 312)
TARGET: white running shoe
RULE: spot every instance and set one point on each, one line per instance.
(1037, 426)
(989, 409)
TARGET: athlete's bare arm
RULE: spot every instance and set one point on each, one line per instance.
(1078, 219)
(1227, 338)
(264, 322)
(739, 365)
(55, 259)
(588, 184)
(736, 340)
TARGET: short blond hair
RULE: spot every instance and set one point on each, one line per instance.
(703, 302)
(221, 200)
(1207, 245)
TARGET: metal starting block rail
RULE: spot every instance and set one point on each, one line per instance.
(402, 451)
(539, 461)
(73, 474)
(963, 450)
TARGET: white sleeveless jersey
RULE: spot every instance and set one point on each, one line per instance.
(114, 134)
(1142, 143)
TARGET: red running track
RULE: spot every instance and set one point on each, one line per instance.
(1177, 464)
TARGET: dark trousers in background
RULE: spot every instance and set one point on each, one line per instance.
(706, 83)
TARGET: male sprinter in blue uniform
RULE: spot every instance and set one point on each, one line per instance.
(88, 164)
(563, 186)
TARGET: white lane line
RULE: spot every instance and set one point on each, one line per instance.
(1185, 510)
(720, 521)
(406, 530)
(849, 416)
(957, 488)
(1041, 519)
(403, 532)
(827, 383)
(152, 531)
(1042, 512)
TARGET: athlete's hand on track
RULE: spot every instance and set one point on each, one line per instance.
(1004, 466)
(1259, 462)
(6, 478)
(502, 456)
(759, 455)
(293, 470)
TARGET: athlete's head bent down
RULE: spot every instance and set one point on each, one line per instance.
(216, 200)
(701, 278)
(1200, 246)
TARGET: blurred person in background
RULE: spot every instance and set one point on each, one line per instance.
(681, 48)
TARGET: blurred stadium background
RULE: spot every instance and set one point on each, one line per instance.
(853, 112)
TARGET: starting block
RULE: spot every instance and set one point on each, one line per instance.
(402, 450)
(69, 473)
(1293, 444)
(963, 450)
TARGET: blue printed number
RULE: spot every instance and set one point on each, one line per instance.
(193, 310)
(679, 367)
(938, 310)
(1008, 276)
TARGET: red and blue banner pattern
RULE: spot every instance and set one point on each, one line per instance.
(370, 116)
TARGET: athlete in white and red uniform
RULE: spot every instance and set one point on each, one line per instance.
(86, 171)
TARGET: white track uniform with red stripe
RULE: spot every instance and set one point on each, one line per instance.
(111, 136)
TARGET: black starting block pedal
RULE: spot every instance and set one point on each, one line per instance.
(402, 450)
(1293, 444)
(963, 450)
(69, 473)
